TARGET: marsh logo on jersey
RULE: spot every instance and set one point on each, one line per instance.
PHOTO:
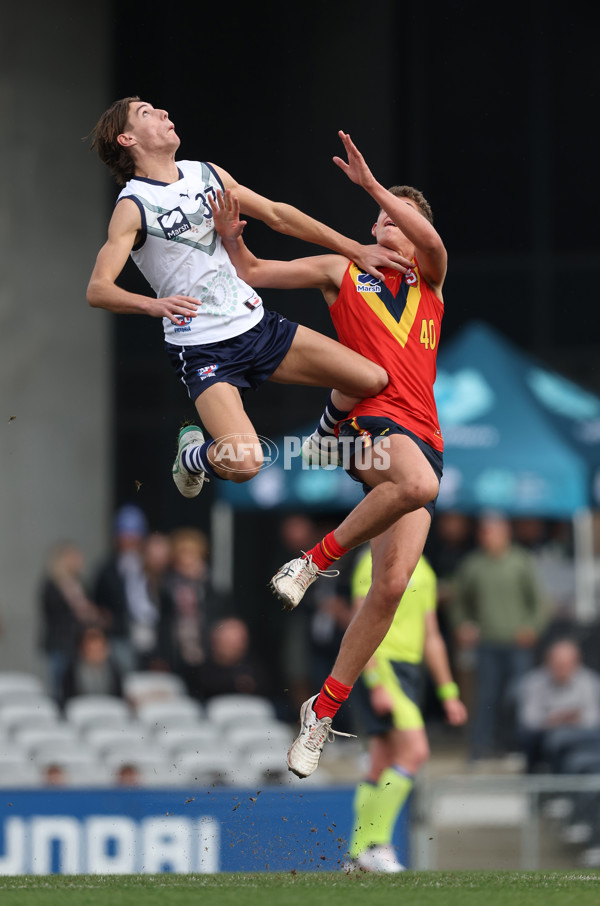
(367, 284)
(207, 372)
(173, 223)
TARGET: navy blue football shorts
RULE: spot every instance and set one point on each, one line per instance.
(378, 427)
(245, 361)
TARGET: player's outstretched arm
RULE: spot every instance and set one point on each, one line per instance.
(284, 218)
(431, 253)
(319, 271)
(103, 292)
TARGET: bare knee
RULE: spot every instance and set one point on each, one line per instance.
(239, 461)
(418, 756)
(378, 381)
(389, 589)
(417, 492)
(239, 476)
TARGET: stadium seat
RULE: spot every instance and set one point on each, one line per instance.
(146, 761)
(35, 713)
(206, 768)
(163, 776)
(87, 775)
(68, 755)
(103, 739)
(15, 682)
(273, 736)
(268, 766)
(9, 749)
(202, 736)
(37, 741)
(180, 712)
(145, 686)
(15, 775)
(225, 710)
(97, 710)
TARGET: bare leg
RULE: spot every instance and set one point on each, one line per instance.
(237, 454)
(313, 360)
(408, 749)
(318, 361)
(343, 401)
(395, 556)
(406, 485)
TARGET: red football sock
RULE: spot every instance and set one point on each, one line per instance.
(331, 696)
(326, 551)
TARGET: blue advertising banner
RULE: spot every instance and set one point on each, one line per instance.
(148, 831)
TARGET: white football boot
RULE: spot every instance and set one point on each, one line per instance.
(188, 483)
(305, 752)
(379, 859)
(291, 581)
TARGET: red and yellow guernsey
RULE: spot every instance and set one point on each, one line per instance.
(396, 323)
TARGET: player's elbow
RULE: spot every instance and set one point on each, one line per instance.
(92, 295)
(379, 380)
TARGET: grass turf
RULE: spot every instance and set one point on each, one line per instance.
(296, 889)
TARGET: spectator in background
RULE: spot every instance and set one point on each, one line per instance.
(65, 610)
(551, 545)
(92, 671)
(230, 667)
(121, 591)
(449, 542)
(188, 604)
(498, 611)
(127, 775)
(558, 708)
(54, 775)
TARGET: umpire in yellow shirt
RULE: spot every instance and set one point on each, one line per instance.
(387, 696)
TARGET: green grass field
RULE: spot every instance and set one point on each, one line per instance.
(297, 889)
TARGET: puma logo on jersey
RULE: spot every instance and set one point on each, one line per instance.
(173, 223)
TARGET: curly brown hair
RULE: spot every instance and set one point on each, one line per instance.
(415, 195)
(104, 138)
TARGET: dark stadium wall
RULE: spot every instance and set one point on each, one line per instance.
(54, 352)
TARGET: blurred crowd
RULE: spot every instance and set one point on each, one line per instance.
(506, 591)
(149, 605)
(526, 668)
(506, 594)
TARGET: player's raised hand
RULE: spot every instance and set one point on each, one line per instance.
(356, 167)
(226, 214)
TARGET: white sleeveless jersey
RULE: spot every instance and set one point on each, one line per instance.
(180, 253)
